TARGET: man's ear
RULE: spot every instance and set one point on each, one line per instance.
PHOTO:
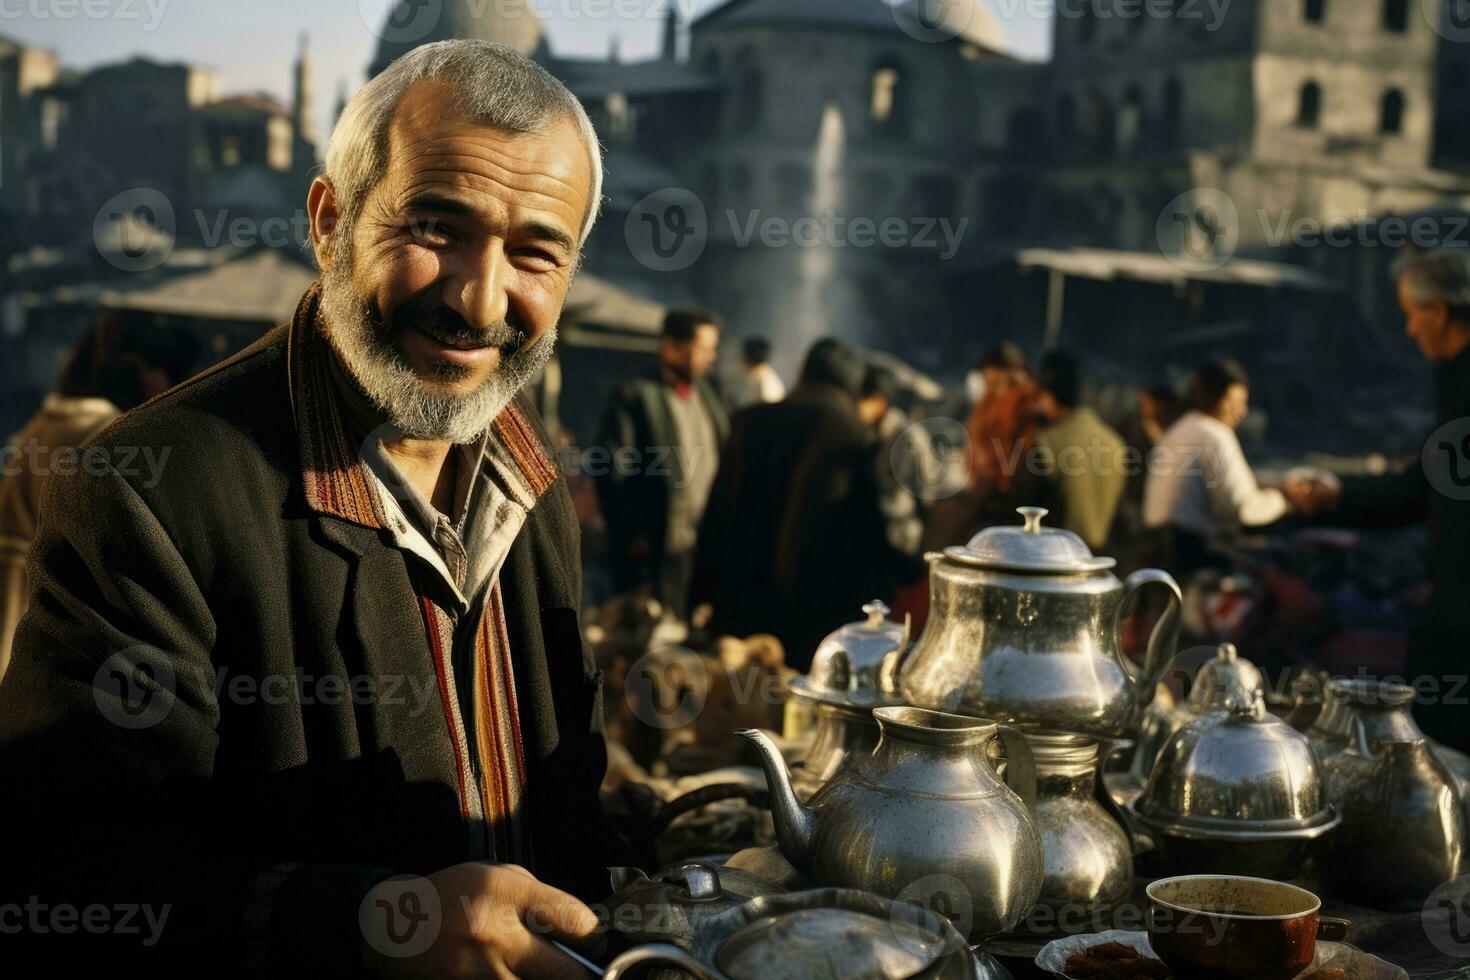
(321, 208)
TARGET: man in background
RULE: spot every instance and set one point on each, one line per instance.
(904, 459)
(759, 384)
(123, 361)
(794, 540)
(1076, 469)
(1434, 292)
(662, 435)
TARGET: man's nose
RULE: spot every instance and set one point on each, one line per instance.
(478, 292)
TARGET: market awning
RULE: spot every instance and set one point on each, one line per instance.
(262, 286)
(1107, 264)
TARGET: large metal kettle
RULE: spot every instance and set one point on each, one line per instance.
(927, 815)
(1024, 629)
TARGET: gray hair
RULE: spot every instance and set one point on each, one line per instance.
(493, 84)
(1441, 274)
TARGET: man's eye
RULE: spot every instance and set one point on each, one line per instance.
(536, 256)
(431, 235)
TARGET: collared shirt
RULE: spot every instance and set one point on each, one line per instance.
(453, 563)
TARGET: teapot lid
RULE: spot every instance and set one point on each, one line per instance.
(845, 667)
(1030, 548)
(1224, 678)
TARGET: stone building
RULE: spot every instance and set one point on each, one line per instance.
(71, 141)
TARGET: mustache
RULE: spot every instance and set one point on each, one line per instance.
(439, 321)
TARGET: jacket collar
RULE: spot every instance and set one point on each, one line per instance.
(337, 480)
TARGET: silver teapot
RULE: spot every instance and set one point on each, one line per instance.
(926, 816)
(1024, 628)
(1237, 791)
(1084, 835)
(844, 685)
(1225, 677)
(1403, 827)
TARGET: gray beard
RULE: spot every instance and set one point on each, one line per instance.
(391, 385)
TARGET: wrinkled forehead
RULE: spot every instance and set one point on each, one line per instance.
(434, 146)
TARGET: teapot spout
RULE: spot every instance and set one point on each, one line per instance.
(793, 821)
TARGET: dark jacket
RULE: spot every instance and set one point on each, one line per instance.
(141, 773)
(1439, 644)
(793, 541)
(634, 494)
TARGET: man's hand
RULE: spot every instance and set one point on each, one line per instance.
(495, 920)
(1310, 496)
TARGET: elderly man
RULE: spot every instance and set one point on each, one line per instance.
(1434, 292)
(336, 645)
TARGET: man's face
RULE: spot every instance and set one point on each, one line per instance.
(1431, 326)
(458, 266)
(1235, 406)
(692, 359)
(997, 379)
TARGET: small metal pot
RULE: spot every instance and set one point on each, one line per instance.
(1236, 791)
(846, 682)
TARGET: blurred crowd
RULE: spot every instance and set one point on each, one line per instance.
(741, 507)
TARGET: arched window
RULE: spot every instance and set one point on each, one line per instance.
(749, 91)
(1314, 11)
(1172, 116)
(1396, 16)
(888, 100)
(1391, 120)
(1309, 107)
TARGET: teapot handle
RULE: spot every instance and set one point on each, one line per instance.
(1020, 774)
(1163, 642)
(1106, 751)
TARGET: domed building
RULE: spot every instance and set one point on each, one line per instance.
(414, 22)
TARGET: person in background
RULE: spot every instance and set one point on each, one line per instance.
(1200, 487)
(124, 360)
(904, 458)
(1157, 407)
(794, 539)
(662, 435)
(1434, 292)
(1077, 468)
(1001, 427)
(759, 384)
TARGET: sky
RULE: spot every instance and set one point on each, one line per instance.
(252, 43)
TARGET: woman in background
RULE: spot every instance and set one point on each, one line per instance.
(1200, 487)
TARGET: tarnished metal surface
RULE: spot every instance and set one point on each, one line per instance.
(1039, 647)
(1087, 854)
(927, 811)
